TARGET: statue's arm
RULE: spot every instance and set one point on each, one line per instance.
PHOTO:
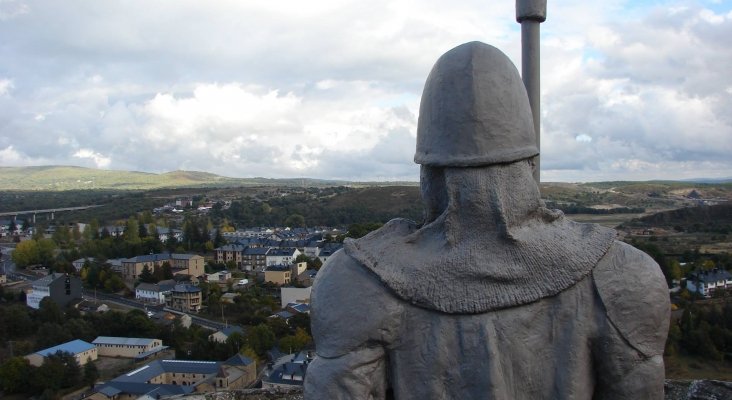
(628, 351)
(360, 374)
(354, 320)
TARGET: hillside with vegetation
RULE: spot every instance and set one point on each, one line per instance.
(59, 178)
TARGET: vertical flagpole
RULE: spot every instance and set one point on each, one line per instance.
(530, 13)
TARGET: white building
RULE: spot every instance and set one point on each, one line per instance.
(294, 295)
(154, 293)
(220, 276)
(284, 256)
(707, 282)
(82, 351)
(108, 346)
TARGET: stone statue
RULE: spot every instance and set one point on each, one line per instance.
(493, 296)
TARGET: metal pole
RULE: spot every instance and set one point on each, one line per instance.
(530, 13)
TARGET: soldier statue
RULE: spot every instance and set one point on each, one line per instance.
(493, 296)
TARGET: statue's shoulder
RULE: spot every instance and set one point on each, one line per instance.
(350, 307)
(635, 295)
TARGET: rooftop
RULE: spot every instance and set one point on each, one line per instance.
(278, 268)
(714, 275)
(123, 341)
(288, 251)
(47, 280)
(186, 288)
(73, 347)
(256, 251)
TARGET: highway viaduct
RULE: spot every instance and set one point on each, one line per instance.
(51, 211)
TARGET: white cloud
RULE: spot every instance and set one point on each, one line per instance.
(331, 88)
(9, 156)
(10, 9)
(99, 160)
(5, 86)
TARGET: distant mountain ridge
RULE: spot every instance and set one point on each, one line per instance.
(58, 178)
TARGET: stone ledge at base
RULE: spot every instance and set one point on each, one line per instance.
(698, 390)
(675, 390)
(247, 394)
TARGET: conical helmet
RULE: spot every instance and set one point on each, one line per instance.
(474, 111)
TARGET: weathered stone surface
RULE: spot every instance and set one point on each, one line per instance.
(534, 10)
(248, 394)
(474, 110)
(674, 390)
(493, 295)
(698, 390)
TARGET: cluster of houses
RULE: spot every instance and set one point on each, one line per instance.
(179, 205)
(14, 227)
(256, 253)
(159, 378)
(269, 254)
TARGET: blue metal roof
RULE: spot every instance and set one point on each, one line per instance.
(232, 329)
(278, 268)
(73, 347)
(186, 288)
(287, 251)
(238, 359)
(712, 276)
(254, 251)
(155, 368)
(148, 258)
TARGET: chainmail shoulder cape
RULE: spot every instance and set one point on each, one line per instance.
(481, 271)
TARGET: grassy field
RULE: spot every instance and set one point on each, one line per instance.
(685, 367)
(609, 220)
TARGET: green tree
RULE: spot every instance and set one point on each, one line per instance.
(15, 322)
(247, 351)
(49, 311)
(260, 339)
(15, 375)
(674, 270)
(58, 371)
(46, 248)
(132, 231)
(218, 239)
(295, 220)
(235, 341)
(359, 230)
(167, 270)
(26, 253)
(51, 334)
(142, 229)
(147, 275)
(91, 374)
(92, 231)
(296, 342)
(61, 235)
(113, 283)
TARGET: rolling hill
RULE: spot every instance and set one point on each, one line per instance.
(60, 178)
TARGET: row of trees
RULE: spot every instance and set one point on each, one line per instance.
(59, 372)
(702, 330)
(299, 210)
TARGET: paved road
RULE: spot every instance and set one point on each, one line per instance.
(206, 323)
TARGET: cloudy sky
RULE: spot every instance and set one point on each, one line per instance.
(631, 89)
